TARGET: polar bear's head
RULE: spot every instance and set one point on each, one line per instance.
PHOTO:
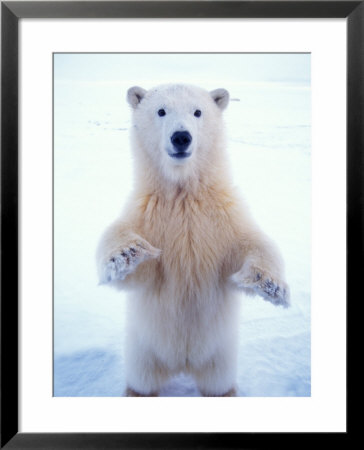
(178, 128)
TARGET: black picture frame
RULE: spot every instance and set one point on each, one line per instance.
(11, 12)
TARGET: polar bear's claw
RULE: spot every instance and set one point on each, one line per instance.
(260, 283)
(275, 293)
(126, 261)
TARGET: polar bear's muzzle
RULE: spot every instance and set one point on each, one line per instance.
(181, 141)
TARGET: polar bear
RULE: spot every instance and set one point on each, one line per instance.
(185, 245)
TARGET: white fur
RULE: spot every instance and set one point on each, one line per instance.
(184, 245)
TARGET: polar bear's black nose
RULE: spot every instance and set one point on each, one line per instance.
(181, 140)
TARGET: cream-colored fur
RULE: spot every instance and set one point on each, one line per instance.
(184, 246)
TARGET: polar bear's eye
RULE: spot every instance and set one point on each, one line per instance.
(161, 112)
(197, 113)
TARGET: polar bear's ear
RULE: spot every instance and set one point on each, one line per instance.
(220, 97)
(135, 95)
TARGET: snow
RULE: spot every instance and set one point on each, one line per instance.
(268, 127)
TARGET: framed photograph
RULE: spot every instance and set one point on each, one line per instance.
(153, 108)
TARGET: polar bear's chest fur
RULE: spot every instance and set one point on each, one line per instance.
(197, 240)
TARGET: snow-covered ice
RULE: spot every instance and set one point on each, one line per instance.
(268, 126)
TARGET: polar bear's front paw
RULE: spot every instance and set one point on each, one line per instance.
(256, 280)
(126, 260)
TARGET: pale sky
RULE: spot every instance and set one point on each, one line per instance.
(157, 68)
